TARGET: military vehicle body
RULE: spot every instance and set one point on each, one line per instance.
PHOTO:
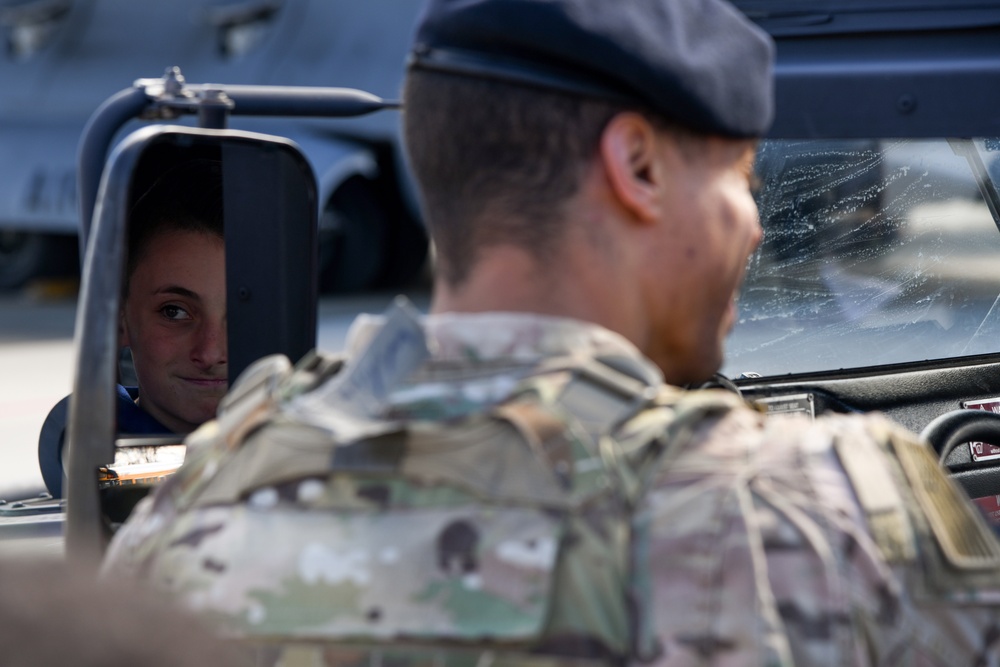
(887, 83)
(62, 58)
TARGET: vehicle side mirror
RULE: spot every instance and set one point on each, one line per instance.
(270, 212)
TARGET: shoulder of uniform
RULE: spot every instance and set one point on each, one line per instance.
(915, 511)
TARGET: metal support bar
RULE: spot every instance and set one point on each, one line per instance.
(302, 101)
(288, 101)
(214, 109)
(171, 96)
(94, 144)
(90, 430)
(967, 149)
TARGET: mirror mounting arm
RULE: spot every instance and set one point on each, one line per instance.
(170, 97)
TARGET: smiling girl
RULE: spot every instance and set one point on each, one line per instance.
(174, 303)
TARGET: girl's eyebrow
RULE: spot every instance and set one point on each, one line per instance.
(178, 290)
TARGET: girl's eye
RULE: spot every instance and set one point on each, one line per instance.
(172, 312)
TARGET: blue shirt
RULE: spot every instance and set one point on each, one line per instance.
(132, 419)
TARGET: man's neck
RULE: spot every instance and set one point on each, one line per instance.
(510, 279)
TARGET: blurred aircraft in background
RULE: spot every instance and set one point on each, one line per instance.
(62, 58)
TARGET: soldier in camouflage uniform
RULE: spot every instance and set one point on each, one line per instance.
(516, 478)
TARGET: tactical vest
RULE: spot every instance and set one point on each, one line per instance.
(510, 536)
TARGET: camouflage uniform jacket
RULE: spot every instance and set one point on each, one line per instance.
(637, 523)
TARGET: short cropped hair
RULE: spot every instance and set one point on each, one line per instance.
(495, 162)
(186, 198)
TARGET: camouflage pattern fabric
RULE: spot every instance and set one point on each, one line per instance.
(513, 489)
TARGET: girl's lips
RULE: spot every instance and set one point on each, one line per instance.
(207, 382)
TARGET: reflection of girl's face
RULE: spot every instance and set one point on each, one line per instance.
(174, 320)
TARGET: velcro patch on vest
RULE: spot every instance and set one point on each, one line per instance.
(965, 539)
(878, 493)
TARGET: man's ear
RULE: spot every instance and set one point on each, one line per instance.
(628, 154)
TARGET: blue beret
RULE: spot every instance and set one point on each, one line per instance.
(700, 63)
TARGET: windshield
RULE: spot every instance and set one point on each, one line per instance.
(875, 252)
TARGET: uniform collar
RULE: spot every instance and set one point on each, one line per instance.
(519, 338)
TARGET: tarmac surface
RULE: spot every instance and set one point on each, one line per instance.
(37, 365)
